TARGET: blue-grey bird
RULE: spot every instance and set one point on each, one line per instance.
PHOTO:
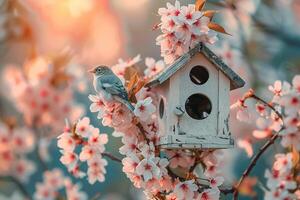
(110, 86)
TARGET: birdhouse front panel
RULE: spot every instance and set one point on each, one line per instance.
(197, 107)
(194, 98)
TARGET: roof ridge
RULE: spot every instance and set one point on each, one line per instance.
(235, 80)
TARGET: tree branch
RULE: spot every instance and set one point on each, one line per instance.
(253, 163)
(112, 157)
(250, 94)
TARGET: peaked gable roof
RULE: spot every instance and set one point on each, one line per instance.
(235, 80)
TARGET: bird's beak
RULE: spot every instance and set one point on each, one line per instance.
(92, 71)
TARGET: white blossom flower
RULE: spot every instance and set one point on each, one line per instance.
(153, 67)
(144, 109)
(83, 127)
(185, 190)
(148, 169)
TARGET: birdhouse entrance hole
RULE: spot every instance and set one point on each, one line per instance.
(199, 75)
(198, 106)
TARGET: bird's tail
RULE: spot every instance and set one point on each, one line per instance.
(126, 103)
(129, 106)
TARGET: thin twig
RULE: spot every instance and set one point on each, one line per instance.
(261, 151)
(253, 163)
(112, 157)
(143, 131)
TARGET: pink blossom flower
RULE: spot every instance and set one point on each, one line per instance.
(246, 145)
(153, 67)
(210, 194)
(120, 67)
(279, 88)
(44, 192)
(130, 145)
(23, 140)
(179, 158)
(23, 169)
(291, 102)
(76, 172)
(96, 170)
(83, 127)
(273, 178)
(170, 10)
(264, 126)
(185, 190)
(66, 142)
(211, 170)
(216, 182)
(69, 159)
(242, 111)
(296, 83)
(130, 163)
(148, 169)
(73, 191)
(144, 109)
(97, 140)
(88, 152)
(54, 179)
(189, 14)
(97, 105)
(291, 139)
(283, 162)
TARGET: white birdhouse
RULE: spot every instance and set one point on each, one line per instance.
(193, 108)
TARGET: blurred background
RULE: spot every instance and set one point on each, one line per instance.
(80, 34)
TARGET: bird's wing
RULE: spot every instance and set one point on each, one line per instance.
(113, 85)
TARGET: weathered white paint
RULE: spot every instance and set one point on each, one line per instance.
(182, 131)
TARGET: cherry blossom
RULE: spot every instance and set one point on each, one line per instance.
(83, 127)
(96, 170)
(73, 191)
(243, 113)
(182, 27)
(279, 180)
(144, 109)
(246, 145)
(148, 169)
(53, 182)
(44, 98)
(91, 143)
(16, 143)
(185, 190)
(210, 194)
(153, 67)
(119, 69)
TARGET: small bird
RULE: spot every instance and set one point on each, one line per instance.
(110, 86)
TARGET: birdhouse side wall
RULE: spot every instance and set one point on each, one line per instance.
(224, 106)
(162, 94)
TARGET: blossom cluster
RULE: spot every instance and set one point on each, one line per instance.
(182, 27)
(280, 180)
(148, 166)
(153, 67)
(86, 139)
(53, 182)
(15, 144)
(42, 92)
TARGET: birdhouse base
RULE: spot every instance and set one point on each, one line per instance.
(195, 142)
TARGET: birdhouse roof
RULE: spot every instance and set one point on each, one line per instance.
(235, 80)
